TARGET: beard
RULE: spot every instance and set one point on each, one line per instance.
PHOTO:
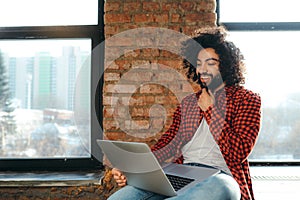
(215, 82)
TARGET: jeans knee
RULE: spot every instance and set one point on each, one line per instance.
(230, 187)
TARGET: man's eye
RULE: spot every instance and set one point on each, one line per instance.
(212, 63)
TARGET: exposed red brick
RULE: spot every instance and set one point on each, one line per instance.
(144, 18)
(116, 18)
(111, 76)
(170, 6)
(175, 17)
(112, 6)
(161, 18)
(151, 89)
(188, 5)
(151, 6)
(132, 7)
(150, 52)
(110, 125)
(195, 17)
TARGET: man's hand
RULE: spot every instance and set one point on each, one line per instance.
(206, 99)
(119, 177)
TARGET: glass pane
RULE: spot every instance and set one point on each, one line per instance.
(45, 98)
(273, 70)
(48, 13)
(259, 11)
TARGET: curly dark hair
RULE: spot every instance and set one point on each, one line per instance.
(231, 59)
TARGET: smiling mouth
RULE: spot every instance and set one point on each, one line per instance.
(205, 78)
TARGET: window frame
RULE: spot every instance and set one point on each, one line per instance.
(96, 34)
(261, 26)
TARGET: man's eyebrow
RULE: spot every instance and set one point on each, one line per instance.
(215, 59)
(208, 59)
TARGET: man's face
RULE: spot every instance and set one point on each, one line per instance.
(208, 68)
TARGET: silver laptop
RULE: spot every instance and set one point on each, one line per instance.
(143, 171)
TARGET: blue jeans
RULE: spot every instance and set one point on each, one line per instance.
(218, 187)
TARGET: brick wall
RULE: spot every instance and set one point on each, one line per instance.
(143, 79)
(178, 15)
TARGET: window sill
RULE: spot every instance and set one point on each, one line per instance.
(42, 179)
(276, 182)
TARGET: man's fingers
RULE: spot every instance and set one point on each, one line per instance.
(119, 177)
(116, 172)
(121, 181)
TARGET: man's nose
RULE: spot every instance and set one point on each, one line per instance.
(202, 68)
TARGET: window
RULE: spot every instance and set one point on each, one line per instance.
(269, 42)
(50, 69)
(15, 13)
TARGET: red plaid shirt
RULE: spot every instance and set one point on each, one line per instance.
(234, 121)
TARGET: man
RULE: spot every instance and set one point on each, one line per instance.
(217, 127)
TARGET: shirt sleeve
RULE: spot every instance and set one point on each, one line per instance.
(167, 146)
(237, 133)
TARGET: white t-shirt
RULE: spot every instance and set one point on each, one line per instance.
(203, 149)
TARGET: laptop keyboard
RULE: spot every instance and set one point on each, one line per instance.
(178, 182)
